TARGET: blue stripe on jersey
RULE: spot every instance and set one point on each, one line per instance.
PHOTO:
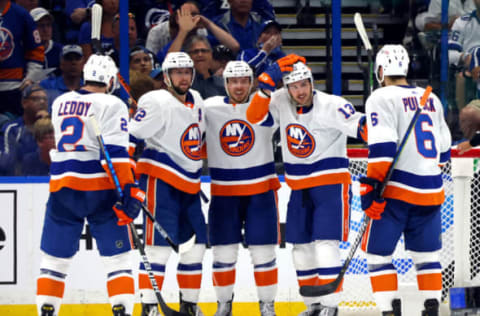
(269, 121)
(220, 265)
(270, 264)
(417, 181)
(165, 159)
(379, 150)
(89, 166)
(114, 273)
(428, 266)
(329, 271)
(307, 272)
(381, 267)
(324, 164)
(189, 267)
(155, 267)
(444, 157)
(455, 46)
(115, 152)
(53, 273)
(222, 174)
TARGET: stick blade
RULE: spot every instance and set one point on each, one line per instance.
(357, 19)
(319, 290)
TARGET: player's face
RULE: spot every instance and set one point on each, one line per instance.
(301, 92)
(238, 89)
(181, 79)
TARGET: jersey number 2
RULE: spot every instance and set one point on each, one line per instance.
(424, 137)
(72, 133)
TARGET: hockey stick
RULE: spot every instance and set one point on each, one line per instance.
(319, 290)
(167, 311)
(357, 19)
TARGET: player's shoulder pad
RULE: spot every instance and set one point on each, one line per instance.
(217, 100)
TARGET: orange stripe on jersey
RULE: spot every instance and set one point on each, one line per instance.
(81, 184)
(325, 281)
(121, 285)
(257, 109)
(378, 170)
(414, 197)
(309, 281)
(203, 151)
(49, 287)
(310, 182)
(429, 282)
(169, 177)
(131, 150)
(11, 73)
(266, 278)
(189, 281)
(245, 189)
(346, 212)
(123, 171)
(385, 282)
(365, 237)
(36, 54)
(151, 202)
(223, 278)
(144, 281)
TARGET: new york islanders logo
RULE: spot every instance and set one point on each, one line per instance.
(299, 141)
(237, 137)
(7, 44)
(191, 142)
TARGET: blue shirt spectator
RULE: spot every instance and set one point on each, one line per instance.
(37, 163)
(76, 12)
(243, 24)
(268, 48)
(213, 8)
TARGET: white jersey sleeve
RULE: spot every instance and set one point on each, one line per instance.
(342, 116)
(150, 116)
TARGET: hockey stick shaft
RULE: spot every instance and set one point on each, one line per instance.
(331, 287)
(357, 19)
(96, 28)
(167, 311)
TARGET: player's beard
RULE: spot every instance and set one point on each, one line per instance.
(179, 90)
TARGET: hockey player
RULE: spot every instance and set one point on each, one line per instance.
(242, 169)
(171, 123)
(414, 193)
(313, 127)
(80, 188)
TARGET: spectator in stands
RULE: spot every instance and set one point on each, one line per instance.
(132, 36)
(77, 12)
(431, 19)
(38, 163)
(268, 48)
(157, 77)
(18, 140)
(28, 5)
(21, 56)
(110, 9)
(244, 25)
(221, 56)
(71, 66)
(207, 84)
(215, 8)
(186, 22)
(142, 60)
(53, 50)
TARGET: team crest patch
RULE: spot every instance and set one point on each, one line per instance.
(237, 137)
(7, 44)
(191, 142)
(299, 141)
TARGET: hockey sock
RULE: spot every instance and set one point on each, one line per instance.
(265, 271)
(159, 257)
(429, 274)
(120, 283)
(189, 273)
(51, 282)
(224, 261)
(306, 266)
(383, 278)
(329, 265)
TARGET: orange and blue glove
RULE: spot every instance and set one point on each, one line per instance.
(127, 209)
(269, 79)
(372, 204)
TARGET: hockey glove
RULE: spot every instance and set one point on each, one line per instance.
(372, 204)
(269, 79)
(127, 209)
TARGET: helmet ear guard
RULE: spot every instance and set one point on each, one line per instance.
(237, 69)
(394, 61)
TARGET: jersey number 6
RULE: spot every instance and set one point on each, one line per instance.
(424, 137)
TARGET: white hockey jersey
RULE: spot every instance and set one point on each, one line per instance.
(463, 37)
(76, 160)
(240, 154)
(172, 132)
(314, 144)
(417, 176)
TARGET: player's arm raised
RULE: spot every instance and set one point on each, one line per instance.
(267, 83)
